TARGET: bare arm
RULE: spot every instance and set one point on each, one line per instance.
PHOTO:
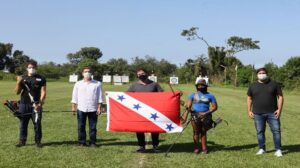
(249, 107)
(43, 95)
(42, 99)
(100, 94)
(188, 107)
(18, 88)
(280, 105)
(74, 108)
(99, 109)
(214, 107)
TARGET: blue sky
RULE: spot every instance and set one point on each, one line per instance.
(47, 30)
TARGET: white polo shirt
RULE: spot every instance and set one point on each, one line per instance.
(87, 95)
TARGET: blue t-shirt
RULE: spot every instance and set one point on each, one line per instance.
(202, 105)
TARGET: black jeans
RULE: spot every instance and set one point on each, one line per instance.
(26, 111)
(141, 138)
(81, 118)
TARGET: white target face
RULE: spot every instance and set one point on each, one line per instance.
(125, 79)
(106, 78)
(73, 78)
(174, 80)
(117, 79)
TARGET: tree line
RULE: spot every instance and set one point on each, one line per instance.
(220, 64)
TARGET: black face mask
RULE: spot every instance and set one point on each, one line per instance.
(143, 77)
(203, 90)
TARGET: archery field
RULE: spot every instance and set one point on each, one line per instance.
(234, 145)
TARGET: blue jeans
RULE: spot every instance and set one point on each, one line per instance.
(26, 111)
(81, 118)
(260, 125)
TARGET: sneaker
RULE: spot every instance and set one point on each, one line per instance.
(278, 153)
(196, 151)
(204, 152)
(141, 149)
(155, 149)
(20, 144)
(260, 152)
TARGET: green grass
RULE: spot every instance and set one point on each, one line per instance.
(234, 145)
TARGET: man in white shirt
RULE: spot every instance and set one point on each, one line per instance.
(86, 100)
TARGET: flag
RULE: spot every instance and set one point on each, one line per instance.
(143, 112)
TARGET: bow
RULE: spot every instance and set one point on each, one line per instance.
(34, 103)
(13, 107)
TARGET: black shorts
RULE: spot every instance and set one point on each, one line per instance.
(206, 121)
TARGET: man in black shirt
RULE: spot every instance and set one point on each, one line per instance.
(32, 87)
(264, 104)
(145, 85)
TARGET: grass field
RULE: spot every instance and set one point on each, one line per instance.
(234, 145)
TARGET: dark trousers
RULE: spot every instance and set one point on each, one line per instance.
(81, 118)
(141, 138)
(26, 111)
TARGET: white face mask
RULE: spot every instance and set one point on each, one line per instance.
(31, 71)
(262, 77)
(87, 75)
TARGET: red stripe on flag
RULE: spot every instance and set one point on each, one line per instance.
(122, 119)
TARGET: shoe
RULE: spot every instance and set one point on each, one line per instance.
(196, 151)
(278, 153)
(204, 152)
(20, 144)
(38, 145)
(155, 149)
(141, 149)
(260, 152)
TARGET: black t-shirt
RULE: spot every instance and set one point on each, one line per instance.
(149, 87)
(264, 96)
(34, 84)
